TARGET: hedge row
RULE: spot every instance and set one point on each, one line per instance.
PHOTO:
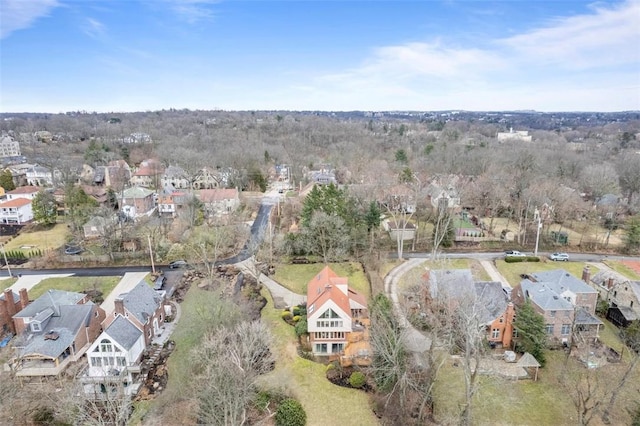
(515, 259)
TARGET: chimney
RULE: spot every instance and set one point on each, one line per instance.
(9, 303)
(119, 306)
(610, 283)
(586, 274)
(24, 298)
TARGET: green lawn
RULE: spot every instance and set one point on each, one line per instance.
(296, 277)
(324, 402)
(5, 283)
(512, 271)
(44, 240)
(414, 276)
(623, 269)
(77, 284)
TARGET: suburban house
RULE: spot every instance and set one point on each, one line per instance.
(97, 227)
(517, 135)
(337, 318)
(219, 200)
(404, 231)
(116, 355)
(28, 192)
(443, 193)
(603, 281)
(53, 331)
(206, 179)
(137, 202)
(454, 287)
(143, 307)
(565, 302)
(17, 207)
(10, 304)
(37, 175)
(624, 301)
(167, 205)
(17, 211)
(148, 174)
(175, 178)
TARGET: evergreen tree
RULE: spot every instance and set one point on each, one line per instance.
(44, 208)
(532, 333)
(6, 180)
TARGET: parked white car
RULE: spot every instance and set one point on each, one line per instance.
(514, 253)
(559, 257)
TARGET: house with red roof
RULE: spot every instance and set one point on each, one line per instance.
(337, 317)
(17, 211)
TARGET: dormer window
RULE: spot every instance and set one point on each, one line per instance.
(36, 326)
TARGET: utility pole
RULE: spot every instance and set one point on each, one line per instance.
(4, 253)
(153, 268)
(538, 226)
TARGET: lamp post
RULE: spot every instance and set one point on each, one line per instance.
(4, 253)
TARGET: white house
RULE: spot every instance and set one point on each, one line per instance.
(9, 147)
(27, 192)
(333, 313)
(17, 211)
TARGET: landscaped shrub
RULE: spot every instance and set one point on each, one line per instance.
(301, 327)
(296, 318)
(331, 366)
(290, 413)
(357, 379)
(286, 315)
(515, 259)
(296, 311)
(532, 259)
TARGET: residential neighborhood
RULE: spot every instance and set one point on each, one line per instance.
(137, 281)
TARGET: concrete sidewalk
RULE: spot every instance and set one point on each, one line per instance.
(494, 274)
(128, 282)
(30, 281)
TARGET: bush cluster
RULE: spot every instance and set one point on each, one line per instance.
(515, 259)
(290, 413)
(357, 379)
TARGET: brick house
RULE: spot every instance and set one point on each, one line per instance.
(565, 302)
(137, 202)
(10, 304)
(219, 200)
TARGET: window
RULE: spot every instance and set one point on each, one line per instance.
(549, 328)
(106, 346)
(321, 348)
(631, 304)
(515, 333)
(615, 293)
(501, 320)
(329, 313)
(337, 348)
(566, 329)
(35, 326)
(566, 313)
(121, 361)
(96, 362)
(552, 313)
(495, 333)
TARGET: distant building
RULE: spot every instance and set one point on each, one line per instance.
(9, 147)
(511, 135)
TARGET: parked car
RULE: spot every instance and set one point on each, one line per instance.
(178, 264)
(559, 257)
(513, 253)
(159, 282)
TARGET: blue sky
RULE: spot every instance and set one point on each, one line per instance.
(130, 55)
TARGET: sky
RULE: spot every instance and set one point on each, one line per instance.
(421, 55)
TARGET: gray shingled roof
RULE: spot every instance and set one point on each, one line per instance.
(585, 318)
(71, 320)
(543, 296)
(635, 287)
(51, 299)
(136, 192)
(142, 301)
(16, 296)
(459, 284)
(560, 280)
(603, 276)
(123, 332)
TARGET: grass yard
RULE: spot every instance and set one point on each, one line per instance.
(296, 277)
(6, 283)
(45, 240)
(415, 275)
(512, 271)
(324, 402)
(174, 405)
(77, 284)
(623, 269)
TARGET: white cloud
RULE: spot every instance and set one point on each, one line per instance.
(607, 37)
(193, 11)
(94, 28)
(21, 14)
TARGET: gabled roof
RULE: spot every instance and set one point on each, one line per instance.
(25, 190)
(16, 202)
(142, 301)
(136, 192)
(123, 332)
(70, 320)
(527, 361)
(217, 194)
(604, 275)
(543, 296)
(560, 280)
(327, 285)
(175, 172)
(51, 299)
